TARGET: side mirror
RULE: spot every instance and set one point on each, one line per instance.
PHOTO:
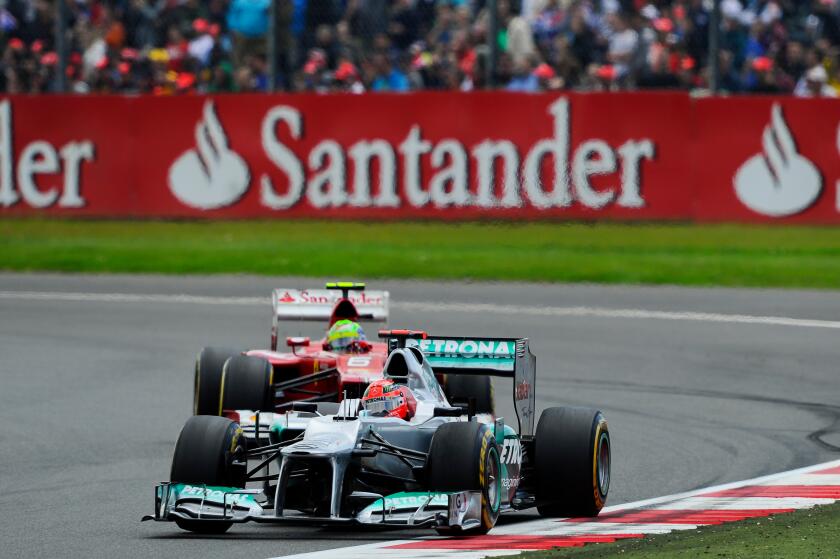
(297, 341)
(449, 412)
(310, 407)
(467, 404)
(294, 342)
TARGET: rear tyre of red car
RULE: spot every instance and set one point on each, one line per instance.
(460, 388)
(464, 457)
(247, 384)
(572, 459)
(208, 379)
(206, 454)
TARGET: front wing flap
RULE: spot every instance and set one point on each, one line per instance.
(228, 504)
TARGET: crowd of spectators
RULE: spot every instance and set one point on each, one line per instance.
(183, 46)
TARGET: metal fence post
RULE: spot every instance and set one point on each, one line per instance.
(492, 42)
(61, 47)
(271, 37)
(714, 48)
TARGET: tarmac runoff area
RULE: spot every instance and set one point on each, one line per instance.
(701, 387)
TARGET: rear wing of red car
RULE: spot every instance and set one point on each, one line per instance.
(318, 304)
(501, 357)
(338, 300)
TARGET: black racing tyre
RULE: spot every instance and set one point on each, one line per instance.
(247, 384)
(572, 458)
(204, 454)
(464, 457)
(208, 379)
(459, 388)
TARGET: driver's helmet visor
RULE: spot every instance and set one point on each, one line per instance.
(382, 405)
(340, 344)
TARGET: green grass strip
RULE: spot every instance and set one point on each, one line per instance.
(683, 254)
(810, 533)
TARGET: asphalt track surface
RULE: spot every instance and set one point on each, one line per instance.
(96, 385)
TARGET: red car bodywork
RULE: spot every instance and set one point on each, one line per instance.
(350, 372)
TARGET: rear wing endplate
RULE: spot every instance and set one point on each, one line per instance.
(501, 357)
(317, 304)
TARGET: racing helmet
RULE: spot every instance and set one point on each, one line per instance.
(385, 398)
(343, 334)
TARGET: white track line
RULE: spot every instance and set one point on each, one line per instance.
(57, 296)
(602, 312)
(690, 500)
(435, 306)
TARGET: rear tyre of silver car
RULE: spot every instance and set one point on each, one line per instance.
(464, 457)
(572, 458)
(208, 379)
(460, 388)
(205, 454)
(247, 384)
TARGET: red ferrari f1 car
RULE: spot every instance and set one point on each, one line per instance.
(339, 366)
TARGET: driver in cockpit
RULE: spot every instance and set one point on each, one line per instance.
(346, 336)
(385, 398)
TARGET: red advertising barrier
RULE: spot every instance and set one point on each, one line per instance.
(629, 156)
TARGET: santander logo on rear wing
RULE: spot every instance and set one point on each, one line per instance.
(318, 304)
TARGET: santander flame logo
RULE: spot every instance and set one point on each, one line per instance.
(778, 181)
(211, 175)
(286, 298)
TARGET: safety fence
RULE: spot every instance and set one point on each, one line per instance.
(450, 156)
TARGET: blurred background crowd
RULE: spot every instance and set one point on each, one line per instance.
(169, 47)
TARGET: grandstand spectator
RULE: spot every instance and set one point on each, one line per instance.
(792, 59)
(402, 24)
(814, 84)
(733, 37)
(547, 78)
(247, 21)
(834, 73)
(729, 78)
(347, 78)
(763, 77)
(623, 44)
(585, 46)
(516, 36)
(524, 78)
(385, 76)
(659, 70)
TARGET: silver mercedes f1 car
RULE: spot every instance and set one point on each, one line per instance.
(445, 468)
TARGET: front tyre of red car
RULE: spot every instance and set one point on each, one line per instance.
(208, 379)
(572, 459)
(247, 384)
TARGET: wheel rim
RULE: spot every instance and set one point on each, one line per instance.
(604, 464)
(491, 478)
